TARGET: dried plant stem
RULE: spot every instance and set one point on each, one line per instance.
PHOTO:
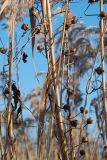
(59, 116)
(63, 36)
(103, 67)
(86, 99)
(10, 134)
(43, 4)
(1, 145)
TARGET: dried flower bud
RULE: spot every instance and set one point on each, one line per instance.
(24, 27)
(103, 14)
(70, 92)
(40, 48)
(89, 120)
(66, 107)
(93, 1)
(67, 26)
(74, 20)
(84, 140)
(105, 147)
(24, 58)
(82, 110)
(36, 31)
(6, 91)
(3, 50)
(82, 152)
(99, 70)
(74, 123)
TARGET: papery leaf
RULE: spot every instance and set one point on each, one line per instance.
(32, 23)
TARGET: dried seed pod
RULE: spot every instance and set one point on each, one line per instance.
(103, 14)
(66, 107)
(82, 110)
(99, 70)
(82, 152)
(6, 91)
(84, 140)
(24, 27)
(40, 48)
(3, 50)
(105, 147)
(89, 120)
(74, 123)
(70, 92)
(36, 31)
(24, 58)
(93, 1)
(67, 26)
(74, 20)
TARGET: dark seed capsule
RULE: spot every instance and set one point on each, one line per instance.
(82, 110)
(105, 147)
(40, 48)
(3, 50)
(103, 14)
(24, 58)
(24, 27)
(36, 30)
(99, 70)
(92, 1)
(70, 92)
(6, 91)
(84, 140)
(89, 120)
(66, 107)
(82, 152)
(74, 123)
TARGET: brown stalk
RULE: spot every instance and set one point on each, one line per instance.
(103, 67)
(10, 134)
(85, 104)
(59, 116)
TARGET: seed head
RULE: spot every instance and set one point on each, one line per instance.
(84, 140)
(103, 14)
(3, 50)
(24, 27)
(89, 120)
(6, 91)
(92, 1)
(66, 107)
(82, 110)
(82, 152)
(99, 70)
(74, 123)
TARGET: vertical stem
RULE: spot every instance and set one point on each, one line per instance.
(1, 145)
(9, 131)
(102, 62)
(59, 116)
(85, 103)
(10, 125)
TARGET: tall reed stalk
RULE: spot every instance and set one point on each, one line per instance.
(103, 67)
